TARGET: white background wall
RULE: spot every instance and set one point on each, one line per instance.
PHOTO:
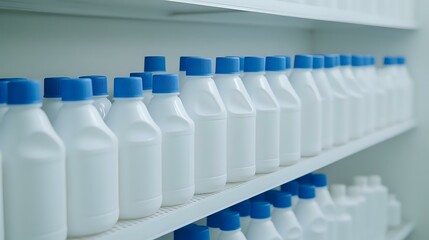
(36, 46)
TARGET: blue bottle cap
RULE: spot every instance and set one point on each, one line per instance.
(254, 64)
(3, 91)
(146, 77)
(23, 92)
(229, 221)
(213, 221)
(52, 87)
(258, 198)
(270, 195)
(243, 208)
(99, 85)
(260, 210)
(182, 63)
(11, 79)
(288, 62)
(372, 60)
(345, 60)
(154, 64)
(275, 63)
(165, 83)
(366, 60)
(198, 233)
(76, 89)
(357, 61)
(306, 179)
(330, 61)
(282, 200)
(320, 180)
(303, 61)
(389, 60)
(227, 65)
(127, 87)
(318, 61)
(401, 60)
(197, 66)
(291, 187)
(181, 233)
(307, 191)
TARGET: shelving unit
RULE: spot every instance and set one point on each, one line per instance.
(242, 12)
(400, 233)
(171, 218)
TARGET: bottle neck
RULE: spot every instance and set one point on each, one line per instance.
(127, 100)
(19, 107)
(253, 73)
(77, 103)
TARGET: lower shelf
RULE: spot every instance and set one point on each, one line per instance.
(400, 233)
(170, 218)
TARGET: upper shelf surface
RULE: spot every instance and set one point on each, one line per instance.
(277, 13)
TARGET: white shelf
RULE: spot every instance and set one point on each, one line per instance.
(171, 218)
(303, 11)
(400, 233)
(277, 13)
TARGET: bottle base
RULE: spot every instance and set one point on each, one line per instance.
(289, 159)
(93, 225)
(311, 153)
(140, 209)
(267, 165)
(210, 185)
(177, 197)
(240, 174)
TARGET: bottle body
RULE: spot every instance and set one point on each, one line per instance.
(341, 105)
(51, 106)
(147, 96)
(370, 97)
(177, 130)
(232, 235)
(33, 170)
(241, 124)
(205, 107)
(103, 105)
(140, 186)
(313, 223)
(311, 112)
(327, 99)
(394, 212)
(267, 122)
(92, 169)
(287, 224)
(262, 229)
(290, 117)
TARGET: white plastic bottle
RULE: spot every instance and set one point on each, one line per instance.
(260, 225)
(288, 66)
(394, 213)
(204, 105)
(371, 82)
(51, 97)
(267, 115)
(91, 161)
(392, 80)
(292, 188)
(311, 105)
(357, 98)
(371, 205)
(34, 178)
(243, 208)
(327, 205)
(213, 223)
(147, 79)
(381, 96)
(284, 218)
(313, 223)
(356, 196)
(327, 97)
(139, 139)
(177, 130)
(382, 195)
(241, 120)
(230, 226)
(3, 99)
(341, 105)
(290, 110)
(346, 205)
(358, 68)
(100, 94)
(408, 85)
